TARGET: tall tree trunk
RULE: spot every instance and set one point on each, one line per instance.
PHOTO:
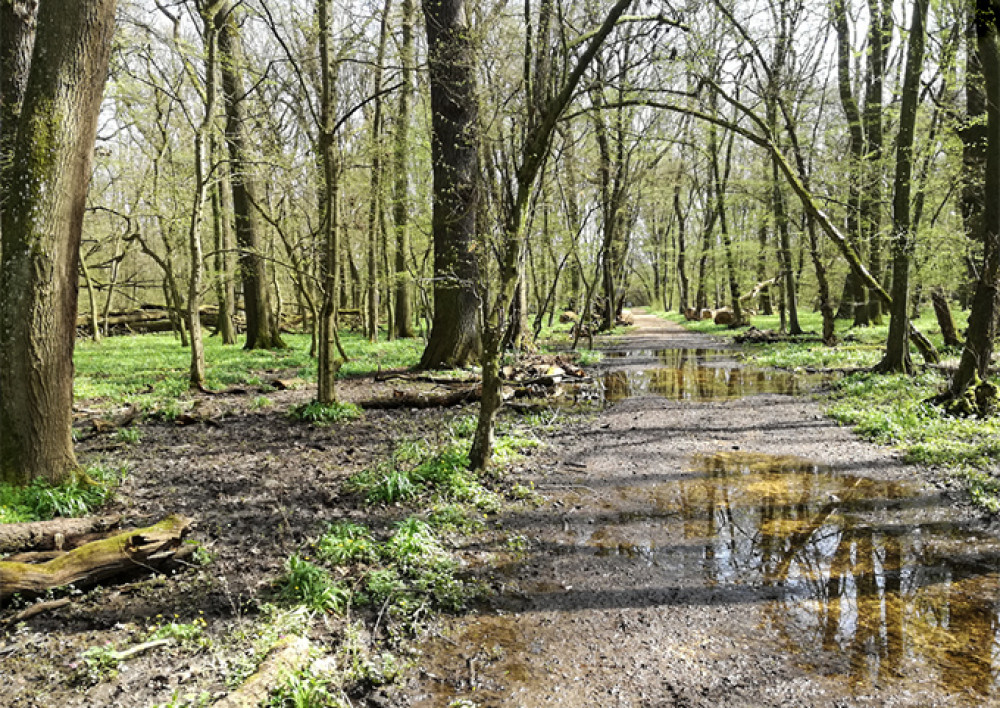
(879, 39)
(973, 135)
(897, 348)
(225, 290)
(720, 178)
(455, 332)
(375, 208)
(404, 311)
(202, 145)
(95, 333)
(327, 363)
(852, 300)
(262, 328)
(44, 185)
(682, 277)
(975, 362)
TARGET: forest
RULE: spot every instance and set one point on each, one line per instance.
(344, 261)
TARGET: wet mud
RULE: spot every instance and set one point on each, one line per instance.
(712, 539)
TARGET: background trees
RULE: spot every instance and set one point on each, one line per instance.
(733, 154)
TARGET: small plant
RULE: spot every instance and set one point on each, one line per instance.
(384, 585)
(414, 545)
(589, 357)
(453, 517)
(309, 585)
(202, 556)
(462, 427)
(129, 436)
(187, 700)
(305, 689)
(345, 542)
(99, 664)
(517, 543)
(261, 402)
(527, 493)
(189, 634)
(325, 413)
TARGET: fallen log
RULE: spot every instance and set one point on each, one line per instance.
(146, 548)
(403, 399)
(52, 535)
(285, 658)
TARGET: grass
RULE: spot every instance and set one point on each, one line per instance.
(40, 500)
(151, 370)
(305, 583)
(325, 413)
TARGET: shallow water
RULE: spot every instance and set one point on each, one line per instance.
(696, 375)
(871, 576)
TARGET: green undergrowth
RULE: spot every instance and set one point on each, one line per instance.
(408, 571)
(40, 500)
(151, 370)
(407, 574)
(422, 470)
(328, 680)
(893, 410)
(325, 413)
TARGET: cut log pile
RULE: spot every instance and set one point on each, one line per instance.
(51, 559)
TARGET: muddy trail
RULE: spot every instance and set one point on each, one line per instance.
(712, 539)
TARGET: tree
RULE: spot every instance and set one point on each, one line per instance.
(454, 339)
(48, 142)
(897, 350)
(262, 328)
(967, 392)
(403, 320)
(538, 138)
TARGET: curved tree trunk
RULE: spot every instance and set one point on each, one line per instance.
(45, 189)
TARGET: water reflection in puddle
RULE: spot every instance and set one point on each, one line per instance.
(696, 374)
(869, 577)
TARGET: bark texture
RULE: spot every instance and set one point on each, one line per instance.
(262, 328)
(44, 187)
(454, 339)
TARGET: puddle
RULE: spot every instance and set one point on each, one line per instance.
(868, 585)
(697, 375)
(868, 579)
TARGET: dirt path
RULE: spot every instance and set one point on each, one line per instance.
(740, 552)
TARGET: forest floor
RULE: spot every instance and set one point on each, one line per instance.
(697, 543)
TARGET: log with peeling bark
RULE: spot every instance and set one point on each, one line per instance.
(125, 553)
(52, 535)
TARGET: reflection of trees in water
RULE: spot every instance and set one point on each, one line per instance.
(695, 374)
(883, 595)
